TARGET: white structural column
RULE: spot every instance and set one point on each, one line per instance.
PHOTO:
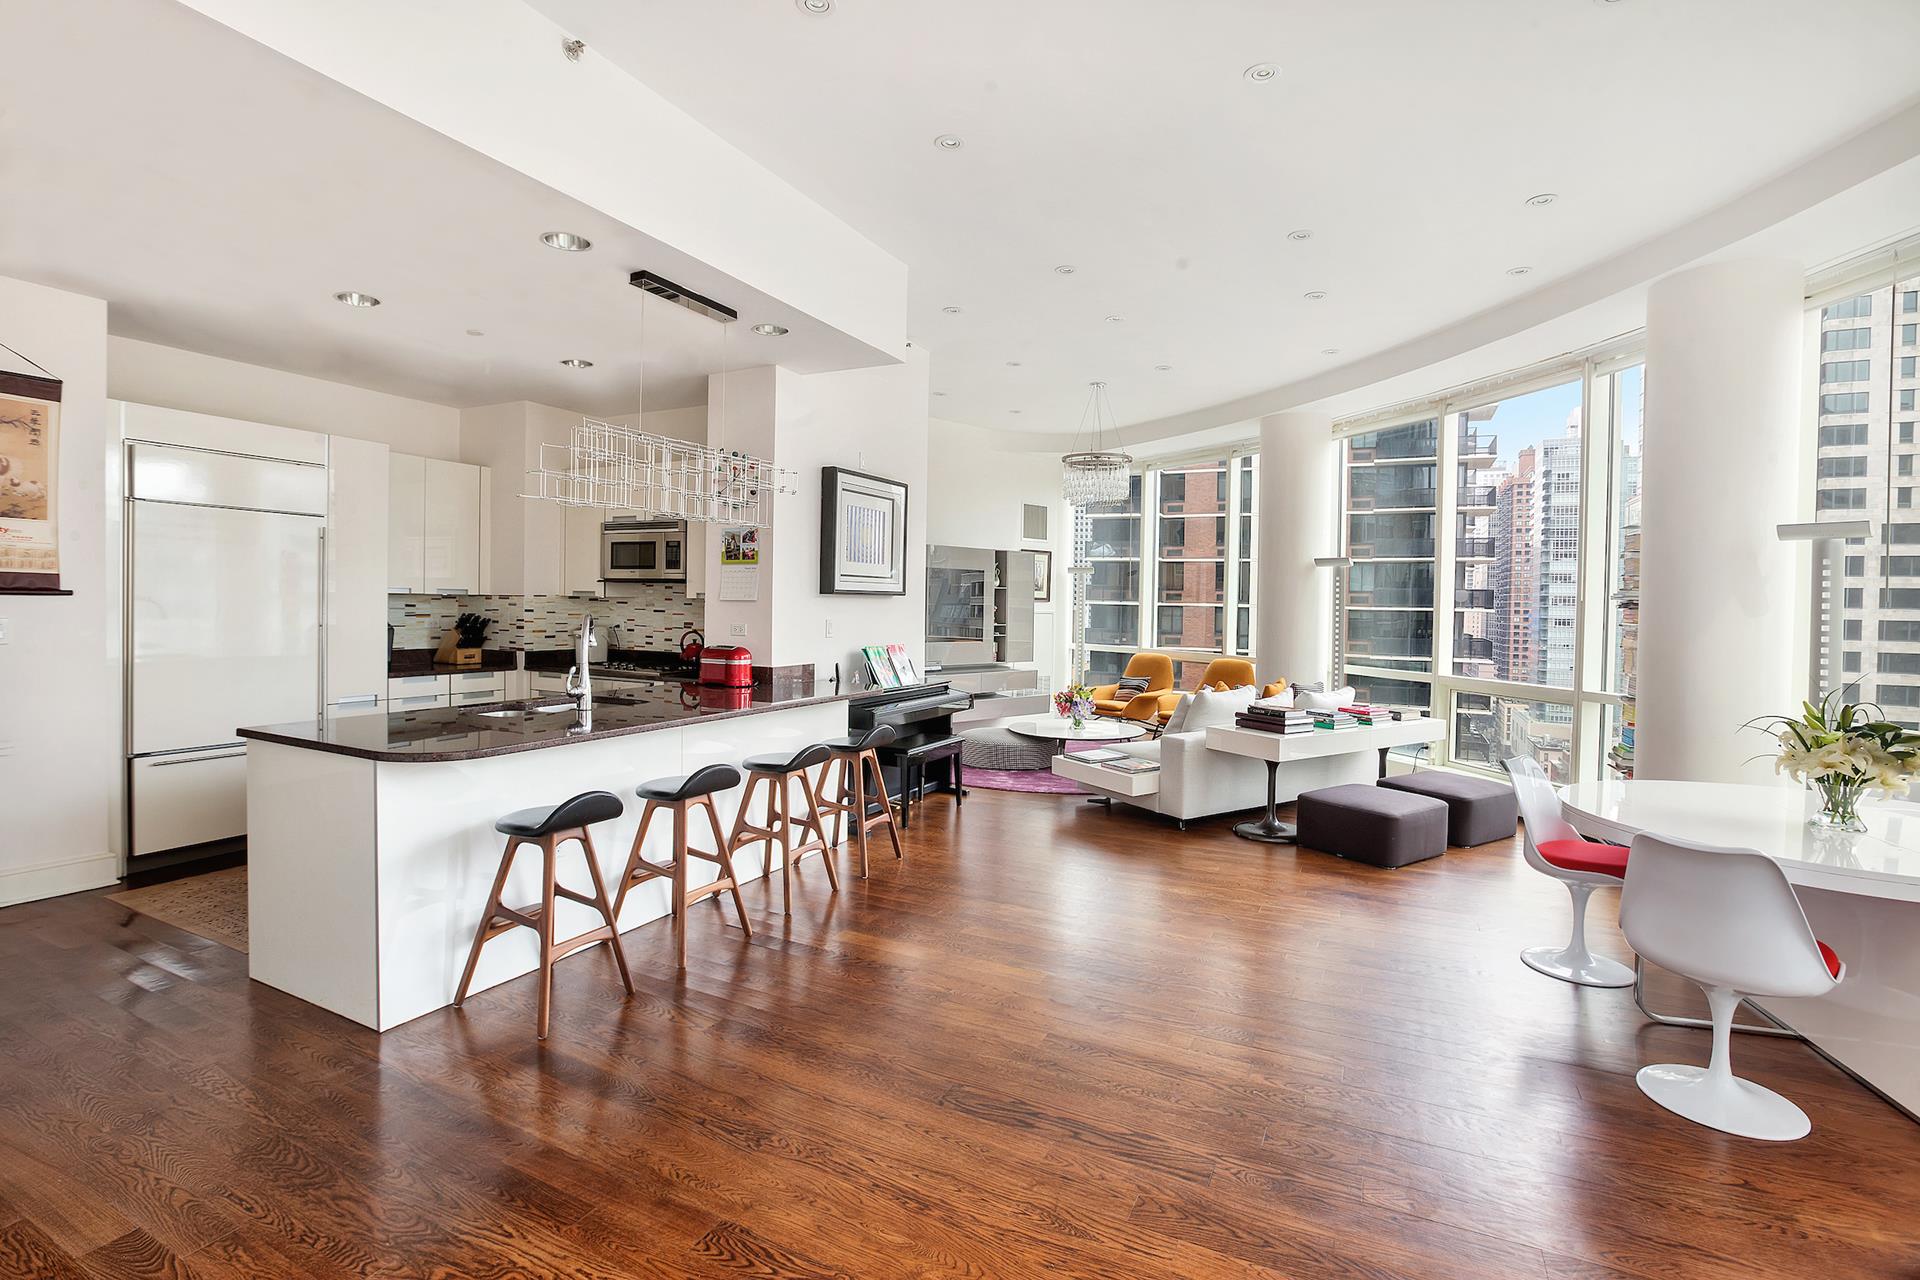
(1718, 589)
(1293, 600)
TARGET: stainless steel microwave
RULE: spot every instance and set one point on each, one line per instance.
(643, 551)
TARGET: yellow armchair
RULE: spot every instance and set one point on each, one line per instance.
(1221, 673)
(1109, 699)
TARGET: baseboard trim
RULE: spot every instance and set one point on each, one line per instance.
(53, 879)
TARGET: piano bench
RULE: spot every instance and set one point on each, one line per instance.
(912, 761)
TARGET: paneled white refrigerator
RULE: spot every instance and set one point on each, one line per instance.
(224, 629)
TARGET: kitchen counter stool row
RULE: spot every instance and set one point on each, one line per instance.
(857, 799)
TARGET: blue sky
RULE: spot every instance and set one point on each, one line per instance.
(1542, 415)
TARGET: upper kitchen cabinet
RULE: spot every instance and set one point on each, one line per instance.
(358, 566)
(437, 527)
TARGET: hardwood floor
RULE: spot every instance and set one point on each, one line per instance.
(1051, 1042)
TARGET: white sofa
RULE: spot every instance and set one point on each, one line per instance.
(1195, 782)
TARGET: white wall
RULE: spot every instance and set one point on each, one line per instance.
(148, 373)
(60, 664)
(976, 495)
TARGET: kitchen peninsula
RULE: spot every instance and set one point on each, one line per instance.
(371, 840)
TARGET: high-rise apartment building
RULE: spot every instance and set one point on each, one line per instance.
(1865, 470)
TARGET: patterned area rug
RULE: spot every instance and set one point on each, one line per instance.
(212, 906)
(1038, 781)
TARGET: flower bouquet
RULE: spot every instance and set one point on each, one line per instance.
(1842, 749)
(1075, 702)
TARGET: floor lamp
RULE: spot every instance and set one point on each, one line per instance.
(1826, 537)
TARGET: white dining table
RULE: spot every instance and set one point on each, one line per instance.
(1861, 893)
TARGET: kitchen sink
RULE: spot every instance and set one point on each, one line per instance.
(547, 708)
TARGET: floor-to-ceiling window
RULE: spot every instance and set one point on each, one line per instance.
(1865, 470)
(1489, 537)
(1173, 568)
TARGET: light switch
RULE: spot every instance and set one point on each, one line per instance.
(829, 627)
(737, 629)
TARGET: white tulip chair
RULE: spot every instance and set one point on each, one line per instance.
(1553, 848)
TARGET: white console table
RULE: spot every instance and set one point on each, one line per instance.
(1276, 749)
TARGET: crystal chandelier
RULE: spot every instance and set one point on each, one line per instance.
(1094, 475)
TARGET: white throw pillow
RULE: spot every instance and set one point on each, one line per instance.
(1177, 722)
(1281, 701)
(1310, 701)
(1211, 708)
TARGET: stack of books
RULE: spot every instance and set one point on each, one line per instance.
(1334, 720)
(1367, 713)
(1266, 719)
(1131, 764)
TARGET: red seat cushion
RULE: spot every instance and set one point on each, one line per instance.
(1826, 953)
(1584, 855)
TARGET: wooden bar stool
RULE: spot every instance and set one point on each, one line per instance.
(678, 795)
(856, 756)
(778, 774)
(549, 828)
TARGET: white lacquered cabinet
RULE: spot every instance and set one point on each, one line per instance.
(406, 523)
(581, 553)
(358, 569)
(451, 528)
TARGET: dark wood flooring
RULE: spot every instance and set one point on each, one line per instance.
(1052, 1042)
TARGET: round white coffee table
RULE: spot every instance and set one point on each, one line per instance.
(1092, 729)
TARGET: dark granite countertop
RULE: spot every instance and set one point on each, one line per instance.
(419, 662)
(436, 734)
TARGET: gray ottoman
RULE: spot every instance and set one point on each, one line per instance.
(1003, 749)
(1478, 809)
(1375, 825)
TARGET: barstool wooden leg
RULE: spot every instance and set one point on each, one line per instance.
(726, 864)
(859, 768)
(680, 884)
(777, 819)
(814, 821)
(546, 932)
(606, 909)
(839, 796)
(486, 921)
(872, 760)
(634, 860)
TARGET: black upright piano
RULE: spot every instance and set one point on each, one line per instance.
(924, 755)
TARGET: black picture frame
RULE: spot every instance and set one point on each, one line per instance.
(856, 509)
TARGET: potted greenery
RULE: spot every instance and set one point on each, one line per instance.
(1842, 749)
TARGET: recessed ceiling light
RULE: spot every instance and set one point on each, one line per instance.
(1063, 270)
(952, 311)
(1013, 411)
(1013, 364)
(566, 242)
(1115, 319)
(771, 330)
(1262, 72)
(1163, 368)
(1542, 200)
(1519, 271)
(476, 333)
(1315, 295)
(1329, 351)
(1301, 234)
(949, 142)
(814, 6)
(354, 299)
(577, 363)
(939, 393)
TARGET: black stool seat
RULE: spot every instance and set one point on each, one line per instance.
(701, 782)
(804, 758)
(583, 810)
(878, 736)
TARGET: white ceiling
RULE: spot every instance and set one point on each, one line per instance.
(217, 195)
(1121, 137)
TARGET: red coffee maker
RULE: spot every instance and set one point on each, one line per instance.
(728, 665)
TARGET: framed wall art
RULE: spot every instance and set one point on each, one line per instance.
(29, 484)
(863, 534)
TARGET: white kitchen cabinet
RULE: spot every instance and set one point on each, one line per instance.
(468, 687)
(188, 797)
(406, 523)
(438, 527)
(416, 702)
(581, 557)
(375, 706)
(357, 569)
(696, 559)
(412, 688)
(452, 528)
(542, 683)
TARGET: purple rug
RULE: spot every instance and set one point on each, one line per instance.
(1037, 781)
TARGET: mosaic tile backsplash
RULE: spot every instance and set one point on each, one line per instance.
(652, 619)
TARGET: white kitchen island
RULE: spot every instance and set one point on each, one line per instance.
(371, 846)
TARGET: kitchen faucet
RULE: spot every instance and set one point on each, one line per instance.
(580, 675)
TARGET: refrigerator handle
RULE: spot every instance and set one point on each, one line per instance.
(320, 686)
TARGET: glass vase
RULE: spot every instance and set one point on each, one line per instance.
(1839, 804)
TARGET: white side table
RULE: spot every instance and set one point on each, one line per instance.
(1276, 749)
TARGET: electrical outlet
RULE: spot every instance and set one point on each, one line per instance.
(737, 629)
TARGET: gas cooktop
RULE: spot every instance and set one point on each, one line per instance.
(648, 667)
